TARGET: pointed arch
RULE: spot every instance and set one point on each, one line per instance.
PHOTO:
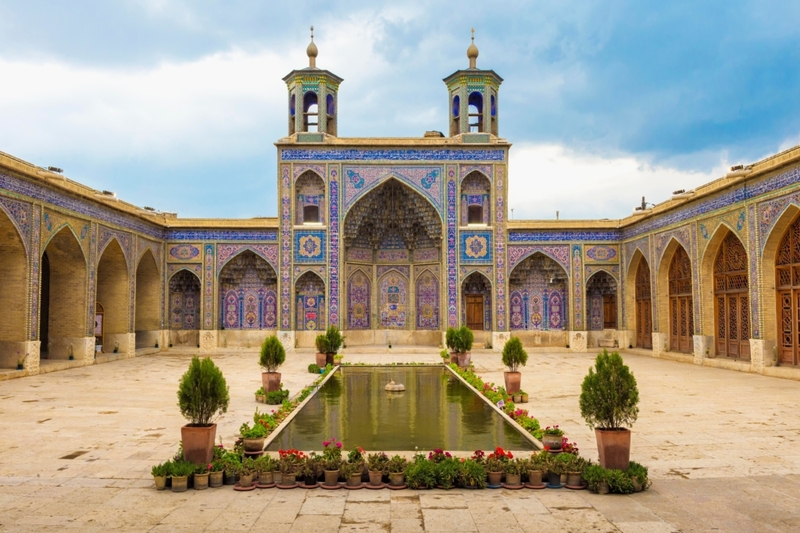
(114, 296)
(601, 298)
(263, 251)
(147, 309)
(184, 300)
(538, 286)
(248, 286)
(309, 198)
(12, 220)
(113, 240)
(14, 290)
(638, 302)
(310, 311)
(359, 299)
(393, 299)
(476, 199)
(58, 230)
(476, 300)
(63, 287)
(354, 198)
(427, 297)
(674, 302)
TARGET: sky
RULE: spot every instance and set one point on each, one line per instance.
(176, 104)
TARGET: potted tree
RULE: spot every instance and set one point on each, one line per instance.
(321, 343)
(609, 403)
(450, 342)
(514, 356)
(335, 340)
(202, 393)
(463, 344)
(272, 356)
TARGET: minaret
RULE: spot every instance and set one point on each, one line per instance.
(473, 97)
(313, 97)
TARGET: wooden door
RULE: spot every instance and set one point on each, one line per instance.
(681, 313)
(787, 283)
(644, 320)
(609, 311)
(474, 312)
(731, 300)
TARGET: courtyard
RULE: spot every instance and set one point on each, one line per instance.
(77, 447)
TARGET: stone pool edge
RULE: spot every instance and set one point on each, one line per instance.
(272, 436)
(536, 442)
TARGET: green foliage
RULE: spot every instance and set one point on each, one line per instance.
(335, 339)
(444, 355)
(638, 474)
(514, 355)
(348, 469)
(378, 462)
(609, 396)
(515, 466)
(321, 343)
(312, 466)
(272, 354)
(202, 392)
(265, 463)
(277, 397)
(450, 338)
(160, 470)
(471, 474)
(446, 472)
(182, 468)
(463, 340)
(248, 466)
(620, 482)
(421, 473)
(396, 465)
(313, 368)
(256, 432)
(594, 475)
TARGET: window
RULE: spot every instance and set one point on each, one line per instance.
(475, 214)
(310, 214)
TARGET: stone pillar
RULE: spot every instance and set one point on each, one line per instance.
(499, 339)
(578, 341)
(762, 355)
(208, 341)
(625, 338)
(32, 351)
(287, 339)
(85, 348)
(659, 343)
(703, 347)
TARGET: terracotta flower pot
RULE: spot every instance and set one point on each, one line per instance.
(454, 357)
(277, 477)
(574, 479)
(271, 381)
(246, 480)
(464, 359)
(198, 443)
(354, 480)
(495, 478)
(614, 448)
(265, 478)
(321, 359)
(329, 358)
(553, 479)
(535, 477)
(375, 478)
(289, 479)
(161, 482)
(396, 479)
(201, 481)
(180, 483)
(513, 380)
(553, 442)
(513, 479)
(254, 445)
(331, 477)
(215, 479)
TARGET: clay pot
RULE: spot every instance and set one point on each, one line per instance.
(265, 478)
(535, 477)
(574, 479)
(513, 380)
(246, 480)
(254, 445)
(215, 479)
(464, 359)
(331, 477)
(329, 358)
(354, 480)
(229, 478)
(603, 488)
(553, 442)
(271, 381)
(513, 479)
(198, 443)
(201, 481)
(396, 479)
(495, 478)
(614, 448)
(180, 483)
(161, 482)
(277, 477)
(454, 358)
(321, 359)
(375, 478)
(553, 479)
(289, 479)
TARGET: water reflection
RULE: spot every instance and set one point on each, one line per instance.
(435, 411)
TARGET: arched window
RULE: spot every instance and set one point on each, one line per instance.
(644, 320)
(475, 112)
(456, 113)
(680, 302)
(292, 113)
(475, 214)
(493, 113)
(310, 214)
(731, 299)
(330, 111)
(310, 112)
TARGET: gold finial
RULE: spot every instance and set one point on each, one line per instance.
(312, 51)
(472, 51)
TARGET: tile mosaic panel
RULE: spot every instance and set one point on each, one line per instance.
(221, 235)
(268, 252)
(309, 246)
(403, 269)
(452, 286)
(143, 244)
(427, 301)
(389, 154)
(736, 221)
(184, 296)
(20, 215)
(464, 170)
(642, 244)
(559, 253)
(358, 301)
(359, 254)
(393, 298)
(286, 248)
(770, 211)
(577, 283)
(392, 256)
(310, 303)
(334, 245)
(475, 246)
(36, 216)
(754, 257)
(249, 308)
(184, 253)
(500, 246)
(208, 288)
(358, 180)
(426, 254)
(563, 235)
(602, 254)
(194, 268)
(319, 170)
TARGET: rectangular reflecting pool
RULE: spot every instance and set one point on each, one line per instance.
(436, 411)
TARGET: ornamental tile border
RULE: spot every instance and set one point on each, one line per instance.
(577, 271)
(286, 248)
(20, 214)
(226, 252)
(208, 289)
(475, 247)
(754, 282)
(345, 154)
(452, 286)
(500, 247)
(36, 215)
(333, 278)
(310, 246)
(558, 253)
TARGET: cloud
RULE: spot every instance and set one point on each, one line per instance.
(545, 178)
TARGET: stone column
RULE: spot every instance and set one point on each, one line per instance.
(499, 339)
(762, 355)
(659, 343)
(703, 347)
(208, 341)
(578, 341)
(625, 338)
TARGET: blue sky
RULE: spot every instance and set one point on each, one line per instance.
(176, 104)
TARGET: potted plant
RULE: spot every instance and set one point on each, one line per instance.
(397, 471)
(247, 471)
(356, 456)
(471, 475)
(264, 467)
(352, 472)
(495, 465)
(159, 473)
(596, 479)
(536, 467)
(290, 462)
(200, 477)
(514, 356)
(216, 473)
(421, 473)
(445, 356)
(332, 461)
(232, 463)
(335, 340)
(554, 470)
(253, 437)
(377, 464)
(337, 359)
(202, 393)
(180, 471)
(311, 470)
(609, 403)
(620, 482)
(523, 397)
(446, 472)
(260, 395)
(552, 438)
(321, 342)
(462, 345)
(450, 341)
(313, 368)
(271, 357)
(638, 475)
(513, 470)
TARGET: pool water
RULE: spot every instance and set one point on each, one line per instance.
(436, 411)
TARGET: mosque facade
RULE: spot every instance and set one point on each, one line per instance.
(394, 240)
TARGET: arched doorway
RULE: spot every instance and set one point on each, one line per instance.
(309, 204)
(184, 308)
(147, 312)
(475, 199)
(358, 300)
(248, 293)
(427, 301)
(476, 298)
(681, 313)
(787, 285)
(393, 300)
(13, 293)
(643, 307)
(64, 308)
(731, 299)
(114, 296)
(538, 294)
(601, 296)
(310, 303)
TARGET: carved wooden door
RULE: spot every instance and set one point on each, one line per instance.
(644, 321)
(681, 314)
(474, 312)
(787, 283)
(731, 311)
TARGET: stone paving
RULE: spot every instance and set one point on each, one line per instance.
(722, 448)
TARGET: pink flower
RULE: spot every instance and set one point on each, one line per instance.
(338, 444)
(325, 443)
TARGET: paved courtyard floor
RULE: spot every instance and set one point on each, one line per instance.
(76, 448)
